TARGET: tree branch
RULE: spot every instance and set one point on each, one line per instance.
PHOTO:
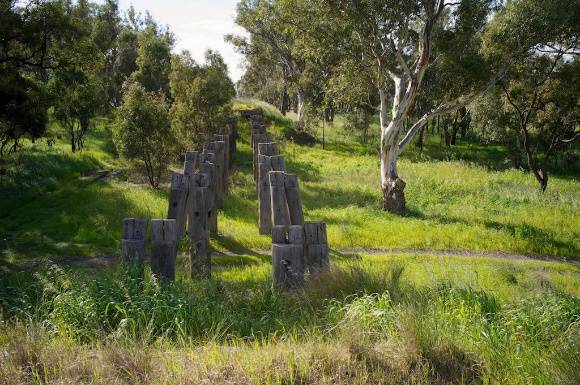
(446, 108)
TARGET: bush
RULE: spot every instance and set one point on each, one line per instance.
(142, 131)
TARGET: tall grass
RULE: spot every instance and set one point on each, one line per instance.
(398, 320)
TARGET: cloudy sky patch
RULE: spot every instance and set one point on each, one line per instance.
(197, 24)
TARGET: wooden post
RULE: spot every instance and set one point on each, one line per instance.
(256, 139)
(200, 255)
(287, 256)
(265, 165)
(280, 214)
(163, 248)
(207, 167)
(133, 243)
(316, 245)
(265, 151)
(269, 149)
(177, 203)
(293, 199)
(233, 123)
(218, 149)
(220, 153)
(264, 200)
(190, 163)
(227, 155)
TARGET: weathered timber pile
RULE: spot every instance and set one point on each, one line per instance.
(298, 247)
(195, 195)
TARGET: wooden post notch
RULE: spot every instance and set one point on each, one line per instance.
(207, 167)
(133, 252)
(316, 247)
(163, 248)
(177, 203)
(199, 251)
(287, 257)
(265, 165)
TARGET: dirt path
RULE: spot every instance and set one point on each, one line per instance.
(105, 260)
(442, 253)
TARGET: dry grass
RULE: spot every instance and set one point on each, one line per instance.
(39, 359)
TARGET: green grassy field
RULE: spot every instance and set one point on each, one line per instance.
(373, 319)
(53, 206)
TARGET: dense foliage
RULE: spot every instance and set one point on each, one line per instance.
(74, 61)
(419, 64)
(201, 96)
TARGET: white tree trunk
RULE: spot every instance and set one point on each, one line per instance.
(392, 185)
(300, 104)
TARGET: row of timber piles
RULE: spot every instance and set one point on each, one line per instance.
(195, 196)
(298, 247)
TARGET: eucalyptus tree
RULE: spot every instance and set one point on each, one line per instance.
(78, 89)
(154, 59)
(264, 80)
(540, 88)
(272, 40)
(393, 40)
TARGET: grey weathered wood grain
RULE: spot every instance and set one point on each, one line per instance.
(227, 155)
(316, 256)
(209, 169)
(280, 214)
(133, 252)
(178, 202)
(287, 265)
(190, 163)
(163, 248)
(200, 258)
(198, 229)
(293, 199)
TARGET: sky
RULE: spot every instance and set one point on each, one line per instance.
(197, 25)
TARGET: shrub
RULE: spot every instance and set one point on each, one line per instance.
(142, 131)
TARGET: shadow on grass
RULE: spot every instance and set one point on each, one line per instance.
(324, 197)
(241, 208)
(234, 246)
(79, 218)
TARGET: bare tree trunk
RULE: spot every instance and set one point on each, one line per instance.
(540, 174)
(284, 101)
(392, 186)
(73, 142)
(517, 153)
(454, 130)
(421, 139)
(299, 106)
